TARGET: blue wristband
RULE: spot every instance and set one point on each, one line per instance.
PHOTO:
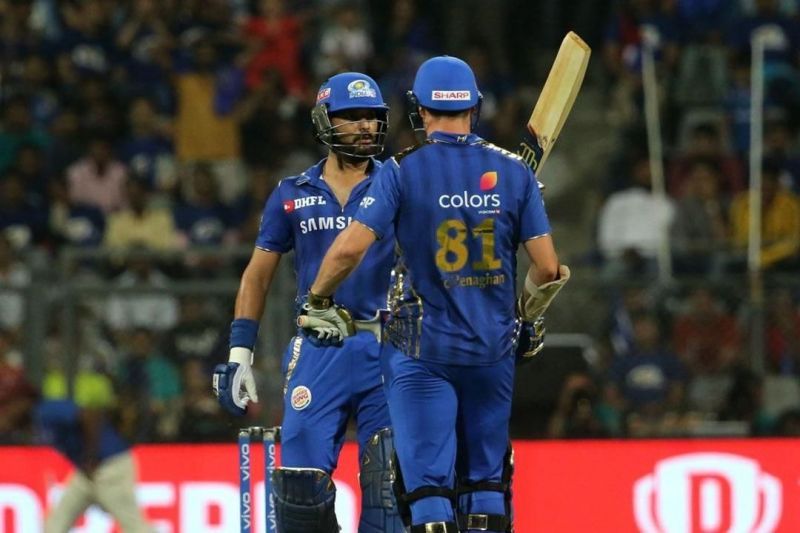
(243, 333)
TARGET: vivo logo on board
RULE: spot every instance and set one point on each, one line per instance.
(705, 493)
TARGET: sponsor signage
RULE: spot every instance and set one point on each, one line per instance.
(660, 486)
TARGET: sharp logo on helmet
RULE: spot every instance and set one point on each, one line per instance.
(301, 397)
(300, 203)
(323, 94)
(366, 201)
(360, 89)
(488, 181)
(698, 492)
(461, 96)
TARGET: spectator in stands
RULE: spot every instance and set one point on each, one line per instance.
(155, 310)
(705, 144)
(647, 385)
(14, 278)
(632, 22)
(745, 402)
(705, 335)
(17, 129)
(345, 43)
(207, 122)
(274, 38)
(737, 103)
(781, 45)
(23, 216)
(783, 333)
(38, 82)
(66, 144)
(633, 224)
(30, 166)
(150, 387)
(699, 231)
(198, 335)
(17, 395)
(788, 424)
(576, 414)
(72, 223)
(145, 42)
(202, 219)
(201, 419)
(147, 149)
(98, 179)
(780, 147)
(142, 223)
(780, 227)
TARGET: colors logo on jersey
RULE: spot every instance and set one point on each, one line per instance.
(323, 94)
(488, 180)
(465, 199)
(366, 201)
(360, 89)
(301, 397)
(451, 96)
(300, 203)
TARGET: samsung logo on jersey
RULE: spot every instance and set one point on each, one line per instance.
(469, 200)
(324, 223)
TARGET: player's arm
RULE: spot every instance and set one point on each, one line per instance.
(374, 217)
(544, 279)
(255, 283)
(344, 255)
(233, 382)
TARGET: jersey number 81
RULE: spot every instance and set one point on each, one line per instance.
(453, 254)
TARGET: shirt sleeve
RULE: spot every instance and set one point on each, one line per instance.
(379, 205)
(533, 217)
(275, 228)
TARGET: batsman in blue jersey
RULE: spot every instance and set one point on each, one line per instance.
(459, 207)
(328, 379)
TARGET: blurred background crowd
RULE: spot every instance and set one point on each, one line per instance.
(139, 140)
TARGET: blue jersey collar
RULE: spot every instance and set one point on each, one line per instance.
(313, 175)
(454, 138)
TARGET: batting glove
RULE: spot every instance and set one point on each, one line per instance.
(233, 381)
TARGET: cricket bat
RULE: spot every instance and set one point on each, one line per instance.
(555, 101)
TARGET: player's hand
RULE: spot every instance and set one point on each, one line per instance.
(327, 326)
(233, 381)
(531, 340)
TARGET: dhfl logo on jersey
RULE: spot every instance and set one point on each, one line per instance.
(299, 203)
(700, 492)
(488, 180)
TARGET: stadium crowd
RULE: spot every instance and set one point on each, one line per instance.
(152, 131)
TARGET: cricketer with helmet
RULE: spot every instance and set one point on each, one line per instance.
(328, 379)
(458, 208)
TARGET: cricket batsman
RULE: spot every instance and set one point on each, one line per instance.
(328, 378)
(458, 207)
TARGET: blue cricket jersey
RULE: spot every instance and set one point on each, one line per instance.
(303, 214)
(459, 206)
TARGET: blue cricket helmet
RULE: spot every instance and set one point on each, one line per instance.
(446, 83)
(349, 90)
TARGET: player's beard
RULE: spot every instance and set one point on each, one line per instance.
(364, 145)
